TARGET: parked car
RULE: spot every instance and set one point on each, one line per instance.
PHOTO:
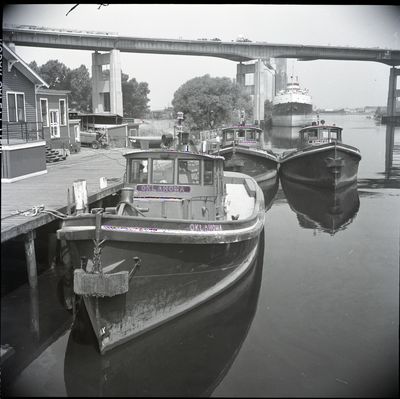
(216, 39)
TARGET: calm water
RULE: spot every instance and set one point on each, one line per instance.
(318, 315)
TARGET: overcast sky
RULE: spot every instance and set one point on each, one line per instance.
(332, 84)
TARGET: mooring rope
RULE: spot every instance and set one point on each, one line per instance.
(36, 210)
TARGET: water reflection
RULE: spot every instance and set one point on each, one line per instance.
(284, 138)
(325, 209)
(269, 188)
(392, 153)
(186, 357)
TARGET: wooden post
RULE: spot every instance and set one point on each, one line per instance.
(80, 195)
(52, 249)
(68, 203)
(34, 312)
(29, 242)
(103, 182)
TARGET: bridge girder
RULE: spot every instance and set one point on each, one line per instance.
(234, 51)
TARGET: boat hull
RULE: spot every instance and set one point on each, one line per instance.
(327, 165)
(259, 164)
(196, 342)
(171, 280)
(292, 120)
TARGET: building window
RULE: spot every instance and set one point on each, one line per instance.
(105, 72)
(16, 107)
(44, 112)
(63, 113)
(249, 79)
(107, 105)
(54, 124)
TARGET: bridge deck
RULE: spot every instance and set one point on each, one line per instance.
(235, 51)
(50, 189)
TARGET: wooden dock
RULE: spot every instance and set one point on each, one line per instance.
(50, 189)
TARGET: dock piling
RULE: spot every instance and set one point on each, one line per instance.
(29, 242)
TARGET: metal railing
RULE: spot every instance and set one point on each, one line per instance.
(21, 132)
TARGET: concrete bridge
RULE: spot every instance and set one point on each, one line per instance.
(240, 52)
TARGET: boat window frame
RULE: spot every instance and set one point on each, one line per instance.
(199, 172)
(211, 162)
(225, 135)
(129, 171)
(153, 160)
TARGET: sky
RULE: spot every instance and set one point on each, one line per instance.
(332, 84)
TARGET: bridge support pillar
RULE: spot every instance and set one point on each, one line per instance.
(393, 94)
(260, 80)
(106, 82)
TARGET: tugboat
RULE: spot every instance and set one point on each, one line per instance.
(181, 231)
(242, 148)
(321, 158)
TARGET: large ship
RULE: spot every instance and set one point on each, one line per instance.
(292, 107)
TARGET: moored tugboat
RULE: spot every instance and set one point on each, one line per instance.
(321, 159)
(242, 148)
(181, 231)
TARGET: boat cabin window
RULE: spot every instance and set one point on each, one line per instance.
(310, 134)
(241, 134)
(137, 171)
(163, 171)
(228, 135)
(325, 134)
(335, 134)
(188, 171)
(252, 135)
(208, 173)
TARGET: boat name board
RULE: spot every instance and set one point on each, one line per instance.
(319, 141)
(163, 188)
(205, 227)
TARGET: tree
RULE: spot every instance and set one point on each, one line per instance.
(205, 99)
(134, 97)
(54, 73)
(81, 89)
(60, 77)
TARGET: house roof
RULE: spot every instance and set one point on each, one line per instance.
(22, 66)
(52, 91)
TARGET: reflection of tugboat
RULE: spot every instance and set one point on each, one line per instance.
(269, 189)
(187, 357)
(325, 209)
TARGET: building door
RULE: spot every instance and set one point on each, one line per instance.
(54, 123)
(77, 132)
